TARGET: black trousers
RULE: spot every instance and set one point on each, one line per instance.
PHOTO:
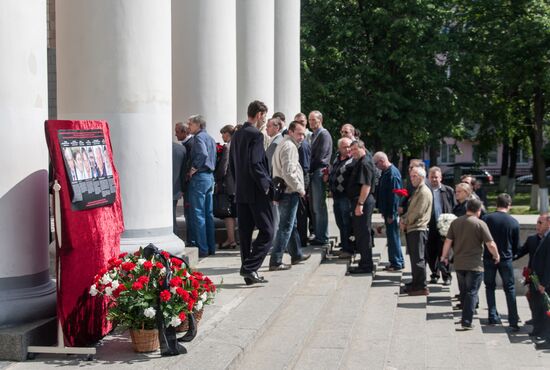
(301, 219)
(434, 247)
(362, 226)
(541, 322)
(416, 244)
(251, 215)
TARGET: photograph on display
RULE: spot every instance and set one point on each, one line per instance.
(89, 168)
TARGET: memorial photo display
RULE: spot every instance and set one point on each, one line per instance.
(88, 166)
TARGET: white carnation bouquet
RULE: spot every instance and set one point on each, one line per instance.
(444, 222)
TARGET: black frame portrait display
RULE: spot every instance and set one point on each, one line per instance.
(89, 168)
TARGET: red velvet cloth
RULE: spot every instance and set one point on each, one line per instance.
(89, 238)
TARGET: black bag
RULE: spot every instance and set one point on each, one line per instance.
(279, 187)
(222, 205)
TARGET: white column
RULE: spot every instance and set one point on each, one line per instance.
(255, 54)
(287, 57)
(114, 63)
(204, 64)
(26, 291)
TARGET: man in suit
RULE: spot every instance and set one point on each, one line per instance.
(443, 202)
(253, 192)
(183, 134)
(179, 158)
(540, 265)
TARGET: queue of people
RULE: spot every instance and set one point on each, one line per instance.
(274, 177)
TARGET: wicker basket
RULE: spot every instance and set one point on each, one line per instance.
(144, 340)
(184, 326)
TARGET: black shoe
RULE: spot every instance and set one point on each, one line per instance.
(514, 327)
(495, 322)
(359, 270)
(281, 267)
(447, 282)
(539, 340)
(318, 242)
(543, 345)
(468, 327)
(253, 278)
(303, 258)
(529, 322)
(434, 280)
(535, 333)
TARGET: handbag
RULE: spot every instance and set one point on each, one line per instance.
(279, 187)
(222, 205)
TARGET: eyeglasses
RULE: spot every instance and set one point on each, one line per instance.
(345, 132)
(540, 222)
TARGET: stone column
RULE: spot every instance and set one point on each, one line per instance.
(255, 54)
(26, 291)
(114, 64)
(204, 64)
(287, 57)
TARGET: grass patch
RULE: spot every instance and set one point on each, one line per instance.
(520, 204)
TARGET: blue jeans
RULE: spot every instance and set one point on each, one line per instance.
(342, 214)
(395, 255)
(468, 284)
(287, 234)
(506, 272)
(319, 205)
(201, 217)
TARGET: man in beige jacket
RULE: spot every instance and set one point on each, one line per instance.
(415, 225)
(286, 165)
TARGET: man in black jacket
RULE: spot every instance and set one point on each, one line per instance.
(540, 265)
(443, 202)
(253, 192)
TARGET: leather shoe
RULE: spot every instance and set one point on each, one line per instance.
(529, 322)
(318, 242)
(447, 282)
(281, 267)
(345, 255)
(253, 278)
(433, 280)
(543, 345)
(303, 258)
(495, 322)
(359, 270)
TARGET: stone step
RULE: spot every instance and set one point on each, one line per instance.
(281, 343)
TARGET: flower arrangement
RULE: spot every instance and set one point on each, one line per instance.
(444, 222)
(135, 287)
(529, 277)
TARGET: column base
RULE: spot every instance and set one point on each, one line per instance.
(15, 340)
(165, 239)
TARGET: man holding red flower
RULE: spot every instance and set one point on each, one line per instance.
(388, 201)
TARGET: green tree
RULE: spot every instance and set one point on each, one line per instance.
(373, 63)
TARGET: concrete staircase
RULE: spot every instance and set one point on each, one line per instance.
(315, 317)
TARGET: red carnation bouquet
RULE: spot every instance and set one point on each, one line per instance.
(530, 278)
(403, 193)
(134, 287)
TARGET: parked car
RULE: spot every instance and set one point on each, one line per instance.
(528, 179)
(467, 168)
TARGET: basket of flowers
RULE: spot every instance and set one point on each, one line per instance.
(140, 295)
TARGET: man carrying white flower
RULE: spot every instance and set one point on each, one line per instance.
(443, 202)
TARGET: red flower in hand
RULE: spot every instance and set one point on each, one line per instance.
(165, 295)
(401, 192)
(548, 313)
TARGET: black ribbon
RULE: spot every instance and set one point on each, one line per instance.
(169, 345)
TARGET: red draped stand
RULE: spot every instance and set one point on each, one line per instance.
(88, 239)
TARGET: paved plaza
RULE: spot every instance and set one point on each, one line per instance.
(316, 317)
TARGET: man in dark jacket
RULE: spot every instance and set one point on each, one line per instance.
(179, 159)
(388, 202)
(443, 202)
(540, 265)
(253, 192)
